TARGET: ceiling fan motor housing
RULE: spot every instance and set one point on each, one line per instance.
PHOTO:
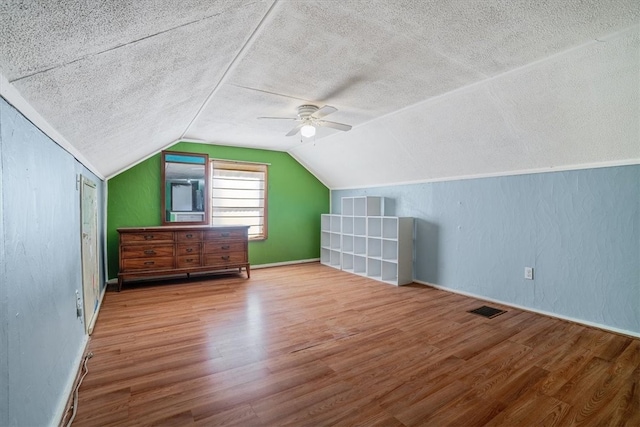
(305, 111)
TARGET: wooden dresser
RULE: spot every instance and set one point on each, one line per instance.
(170, 250)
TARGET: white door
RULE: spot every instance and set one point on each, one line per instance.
(90, 259)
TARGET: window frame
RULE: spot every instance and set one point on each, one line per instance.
(242, 166)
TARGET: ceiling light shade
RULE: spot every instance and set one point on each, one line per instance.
(308, 131)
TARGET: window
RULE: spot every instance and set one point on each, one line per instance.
(239, 195)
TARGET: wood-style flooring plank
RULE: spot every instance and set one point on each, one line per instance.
(308, 345)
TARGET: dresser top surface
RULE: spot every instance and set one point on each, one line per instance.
(181, 228)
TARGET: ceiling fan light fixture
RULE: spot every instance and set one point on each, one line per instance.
(309, 117)
(308, 131)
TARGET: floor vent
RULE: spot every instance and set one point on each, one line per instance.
(487, 311)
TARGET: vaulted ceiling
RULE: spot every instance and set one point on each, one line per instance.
(434, 89)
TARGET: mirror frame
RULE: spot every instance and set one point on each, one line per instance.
(163, 191)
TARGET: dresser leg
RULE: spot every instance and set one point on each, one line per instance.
(119, 283)
(248, 271)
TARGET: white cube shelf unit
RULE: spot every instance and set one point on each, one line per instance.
(366, 242)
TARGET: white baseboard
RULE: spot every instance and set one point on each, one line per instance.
(535, 310)
(280, 264)
(71, 382)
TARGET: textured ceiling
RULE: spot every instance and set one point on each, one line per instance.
(433, 89)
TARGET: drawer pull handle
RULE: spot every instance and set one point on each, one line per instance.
(223, 234)
(149, 252)
(189, 259)
(149, 263)
(226, 247)
(226, 257)
(189, 236)
(189, 249)
(148, 236)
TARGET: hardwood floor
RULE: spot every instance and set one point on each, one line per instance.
(309, 345)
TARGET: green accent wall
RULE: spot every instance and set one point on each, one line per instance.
(296, 199)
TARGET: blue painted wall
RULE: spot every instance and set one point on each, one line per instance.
(579, 230)
(4, 304)
(41, 338)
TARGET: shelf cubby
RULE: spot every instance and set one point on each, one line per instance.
(336, 223)
(360, 226)
(325, 239)
(325, 256)
(359, 206)
(390, 228)
(360, 245)
(347, 225)
(334, 258)
(374, 247)
(335, 241)
(390, 250)
(359, 265)
(374, 226)
(325, 222)
(347, 206)
(374, 268)
(389, 272)
(347, 243)
(347, 262)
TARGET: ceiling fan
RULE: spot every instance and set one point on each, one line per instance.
(309, 118)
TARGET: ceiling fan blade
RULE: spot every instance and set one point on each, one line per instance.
(295, 129)
(279, 118)
(333, 125)
(324, 111)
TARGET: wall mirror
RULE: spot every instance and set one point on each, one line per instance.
(185, 188)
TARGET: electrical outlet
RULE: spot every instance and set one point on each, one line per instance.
(78, 304)
(528, 273)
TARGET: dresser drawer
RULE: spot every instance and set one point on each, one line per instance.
(146, 251)
(151, 236)
(223, 247)
(189, 249)
(226, 234)
(222, 259)
(147, 263)
(189, 261)
(189, 236)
